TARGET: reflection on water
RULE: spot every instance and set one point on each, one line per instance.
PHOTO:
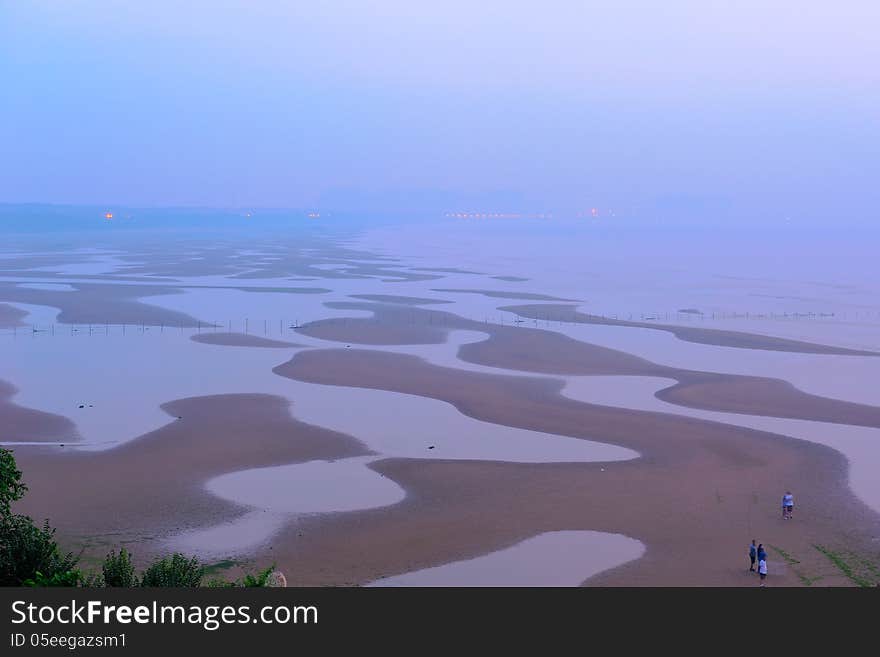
(311, 487)
(562, 558)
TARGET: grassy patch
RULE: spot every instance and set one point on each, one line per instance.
(808, 581)
(790, 560)
(219, 566)
(871, 568)
(846, 567)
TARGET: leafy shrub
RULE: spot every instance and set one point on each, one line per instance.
(260, 579)
(73, 577)
(118, 569)
(93, 581)
(11, 488)
(176, 571)
(29, 552)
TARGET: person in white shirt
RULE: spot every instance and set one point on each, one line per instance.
(787, 505)
(762, 570)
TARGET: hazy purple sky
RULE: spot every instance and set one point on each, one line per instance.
(763, 105)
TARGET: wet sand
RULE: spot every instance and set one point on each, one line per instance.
(697, 493)
(393, 325)
(153, 487)
(97, 303)
(267, 288)
(61, 276)
(494, 294)
(860, 445)
(402, 300)
(715, 337)
(734, 478)
(449, 270)
(241, 340)
(541, 351)
(18, 423)
(10, 316)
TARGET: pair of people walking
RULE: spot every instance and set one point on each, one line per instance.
(758, 554)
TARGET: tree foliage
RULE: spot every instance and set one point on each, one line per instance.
(11, 486)
(29, 552)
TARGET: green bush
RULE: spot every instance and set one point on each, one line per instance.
(118, 569)
(29, 552)
(73, 577)
(260, 579)
(176, 571)
(11, 488)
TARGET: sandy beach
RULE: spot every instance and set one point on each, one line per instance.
(93, 303)
(152, 487)
(241, 340)
(18, 423)
(732, 475)
(693, 495)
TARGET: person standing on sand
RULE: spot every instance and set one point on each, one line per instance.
(753, 553)
(762, 570)
(762, 555)
(787, 505)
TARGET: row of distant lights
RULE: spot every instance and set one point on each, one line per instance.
(312, 215)
(495, 215)
(593, 212)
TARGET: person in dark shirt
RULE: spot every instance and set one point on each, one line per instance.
(762, 553)
(753, 554)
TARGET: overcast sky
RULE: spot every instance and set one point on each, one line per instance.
(756, 107)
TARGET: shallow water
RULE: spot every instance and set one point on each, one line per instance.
(860, 445)
(61, 287)
(561, 558)
(311, 487)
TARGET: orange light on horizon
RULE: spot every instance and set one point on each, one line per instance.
(108, 215)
